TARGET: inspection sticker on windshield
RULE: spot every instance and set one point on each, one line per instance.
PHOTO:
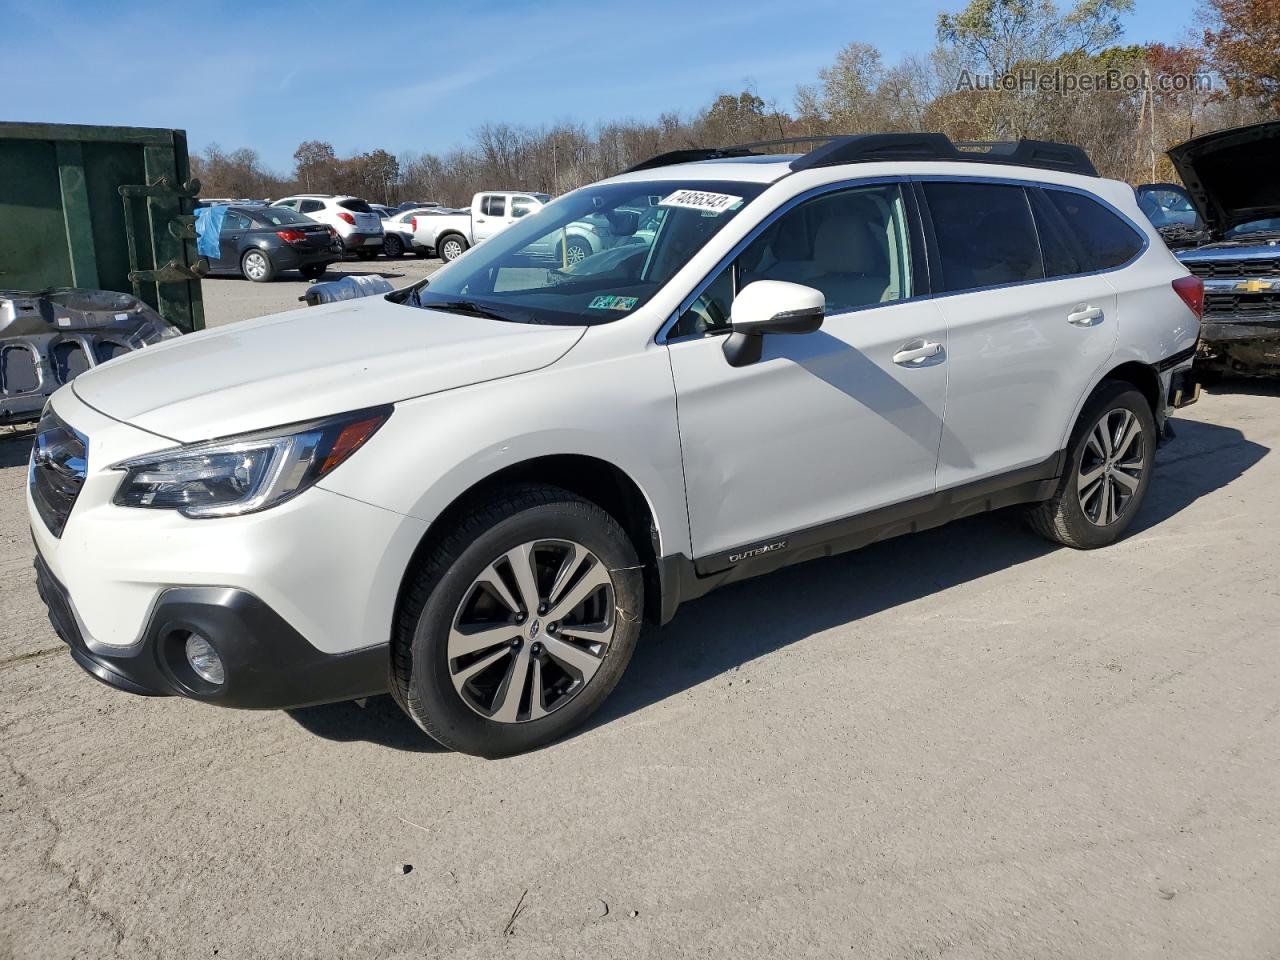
(612, 303)
(712, 204)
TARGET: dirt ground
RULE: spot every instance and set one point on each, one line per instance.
(966, 743)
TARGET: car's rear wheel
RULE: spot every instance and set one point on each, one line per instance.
(1107, 473)
(451, 247)
(256, 265)
(393, 247)
(518, 624)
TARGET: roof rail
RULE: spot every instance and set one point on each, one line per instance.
(873, 147)
(878, 147)
(690, 156)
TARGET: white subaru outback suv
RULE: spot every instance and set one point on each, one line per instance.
(473, 491)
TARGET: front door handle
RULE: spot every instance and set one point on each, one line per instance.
(1084, 316)
(914, 354)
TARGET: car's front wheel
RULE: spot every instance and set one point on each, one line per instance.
(517, 624)
(1107, 473)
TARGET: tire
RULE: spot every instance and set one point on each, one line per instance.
(1113, 477)
(393, 247)
(464, 697)
(364, 253)
(576, 250)
(256, 265)
(451, 246)
(313, 271)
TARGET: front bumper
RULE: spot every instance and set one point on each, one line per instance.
(1246, 346)
(268, 664)
(312, 581)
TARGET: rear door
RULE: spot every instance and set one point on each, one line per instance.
(1027, 330)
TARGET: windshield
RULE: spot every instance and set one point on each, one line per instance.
(1255, 226)
(590, 257)
(1167, 206)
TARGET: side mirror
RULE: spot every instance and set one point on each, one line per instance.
(770, 306)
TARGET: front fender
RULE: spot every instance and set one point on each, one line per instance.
(619, 410)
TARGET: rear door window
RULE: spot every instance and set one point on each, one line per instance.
(494, 206)
(1057, 245)
(1105, 241)
(986, 235)
(311, 206)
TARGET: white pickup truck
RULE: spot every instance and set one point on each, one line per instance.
(449, 236)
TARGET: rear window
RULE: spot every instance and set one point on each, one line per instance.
(985, 234)
(1104, 240)
(279, 216)
(355, 204)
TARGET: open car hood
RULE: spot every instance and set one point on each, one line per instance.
(311, 363)
(1232, 175)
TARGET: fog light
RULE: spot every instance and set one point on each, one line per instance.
(204, 659)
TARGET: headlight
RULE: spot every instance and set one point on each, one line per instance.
(235, 475)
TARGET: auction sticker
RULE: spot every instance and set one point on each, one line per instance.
(612, 303)
(712, 204)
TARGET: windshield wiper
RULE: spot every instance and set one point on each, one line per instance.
(469, 307)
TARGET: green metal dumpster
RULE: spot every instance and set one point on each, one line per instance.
(100, 207)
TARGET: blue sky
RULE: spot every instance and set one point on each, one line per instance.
(419, 75)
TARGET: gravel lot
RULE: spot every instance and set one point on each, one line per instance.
(964, 743)
(228, 299)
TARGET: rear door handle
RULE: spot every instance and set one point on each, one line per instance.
(914, 353)
(1084, 316)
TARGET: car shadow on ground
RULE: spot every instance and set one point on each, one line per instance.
(745, 621)
(375, 719)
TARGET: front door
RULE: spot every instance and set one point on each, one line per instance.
(829, 424)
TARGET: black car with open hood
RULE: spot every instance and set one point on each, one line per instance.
(1227, 232)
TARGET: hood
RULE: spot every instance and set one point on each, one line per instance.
(311, 363)
(1231, 174)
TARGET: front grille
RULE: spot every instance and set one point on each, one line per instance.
(59, 462)
(1230, 269)
(1241, 306)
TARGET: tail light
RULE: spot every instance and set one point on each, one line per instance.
(291, 236)
(347, 218)
(1191, 290)
(413, 224)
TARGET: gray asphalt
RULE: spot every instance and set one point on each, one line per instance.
(966, 743)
